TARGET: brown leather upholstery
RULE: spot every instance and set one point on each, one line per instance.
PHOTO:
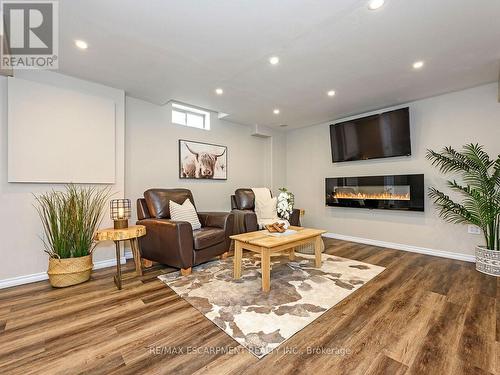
(167, 242)
(244, 221)
(215, 219)
(142, 209)
(206, 236)
(245, 199)
(234, 206)
(295, 217)
(243, 208)
(157, 200)
(174, 243)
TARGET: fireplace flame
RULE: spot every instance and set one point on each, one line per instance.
(385, 195)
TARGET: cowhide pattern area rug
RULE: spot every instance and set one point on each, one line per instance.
(299, 294)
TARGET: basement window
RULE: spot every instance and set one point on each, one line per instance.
(190, 116)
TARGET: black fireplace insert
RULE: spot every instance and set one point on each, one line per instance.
(398, 192)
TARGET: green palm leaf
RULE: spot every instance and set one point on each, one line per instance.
(480, 189)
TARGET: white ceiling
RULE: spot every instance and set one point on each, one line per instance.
(184, 49)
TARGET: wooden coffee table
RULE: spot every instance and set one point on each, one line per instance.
(263, 243)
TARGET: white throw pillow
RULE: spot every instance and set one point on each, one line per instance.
(266, 209)
(184, 212)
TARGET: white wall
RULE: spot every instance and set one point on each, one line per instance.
(152, 155)
(72, 125)
(279, 161)
(471, 115)
(20, 247)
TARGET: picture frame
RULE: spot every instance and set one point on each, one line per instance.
(202, 161)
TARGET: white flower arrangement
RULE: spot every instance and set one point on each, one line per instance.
(285, 204)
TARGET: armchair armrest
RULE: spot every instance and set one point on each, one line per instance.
(167, 242)
(223, 220)
(216, 219)
(295, 217)
(244, 221)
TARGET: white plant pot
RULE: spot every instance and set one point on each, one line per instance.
(488, 261)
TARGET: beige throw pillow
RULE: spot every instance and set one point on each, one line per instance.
(266, 209)
(184, 212)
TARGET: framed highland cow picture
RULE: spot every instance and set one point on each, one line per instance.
(199, 160)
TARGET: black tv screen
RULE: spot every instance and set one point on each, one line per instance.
(378, 136)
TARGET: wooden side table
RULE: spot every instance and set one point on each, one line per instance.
(126, 234)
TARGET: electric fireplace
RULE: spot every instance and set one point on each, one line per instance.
(398, 192)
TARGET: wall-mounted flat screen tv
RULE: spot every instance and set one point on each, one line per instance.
(378, 136)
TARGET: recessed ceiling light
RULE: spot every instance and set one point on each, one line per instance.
(219, 91)
(276, 111)
(375, 4)
(274, 60)
(81, 44)
(418, 64)
(331, 93)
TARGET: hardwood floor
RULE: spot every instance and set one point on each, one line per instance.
(422, 315)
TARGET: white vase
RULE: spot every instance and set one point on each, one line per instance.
(488, 261)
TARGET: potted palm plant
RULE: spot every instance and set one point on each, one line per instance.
(480, 206)
(70, 220)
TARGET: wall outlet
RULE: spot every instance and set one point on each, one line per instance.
(473, 229)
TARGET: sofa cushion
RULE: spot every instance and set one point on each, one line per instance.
(157, 200)
(184, 212)
(245, 199)
(207, 236)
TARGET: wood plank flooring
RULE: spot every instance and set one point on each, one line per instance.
(422, 315)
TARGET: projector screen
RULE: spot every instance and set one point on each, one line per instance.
(58, 135)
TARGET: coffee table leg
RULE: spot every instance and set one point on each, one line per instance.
(118, 276)
(265, 263)
(291, 254)
(238, 253)
(317, 252)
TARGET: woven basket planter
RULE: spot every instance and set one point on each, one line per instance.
(309, 248)
(488, 261)
(69, 271)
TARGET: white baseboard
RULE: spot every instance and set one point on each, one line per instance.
(26, 279)
(399, 246)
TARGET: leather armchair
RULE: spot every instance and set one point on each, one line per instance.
(243, 208)
(174, 243)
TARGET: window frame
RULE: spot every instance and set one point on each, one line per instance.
(188, 110)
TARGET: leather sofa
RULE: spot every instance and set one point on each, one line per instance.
(174, 243)
(243, 208)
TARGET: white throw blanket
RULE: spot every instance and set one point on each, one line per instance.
(265, 208)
